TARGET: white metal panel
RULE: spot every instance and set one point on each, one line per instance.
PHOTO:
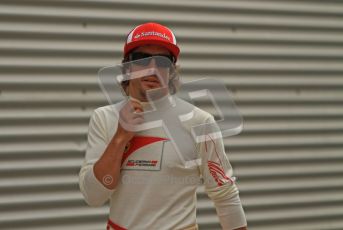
(282, 60)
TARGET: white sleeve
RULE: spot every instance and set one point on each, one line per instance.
(220, 186)
(94, 192)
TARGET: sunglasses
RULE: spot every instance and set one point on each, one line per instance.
(143, 59)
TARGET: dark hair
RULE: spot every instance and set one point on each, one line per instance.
(173, 83)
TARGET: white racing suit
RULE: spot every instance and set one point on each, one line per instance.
(156, 190)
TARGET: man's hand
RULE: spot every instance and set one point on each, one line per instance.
(129, 116)
(107, 168)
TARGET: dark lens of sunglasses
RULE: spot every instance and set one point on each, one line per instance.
(143, 62)
(138, 55)
(159, 61)
(163, 62)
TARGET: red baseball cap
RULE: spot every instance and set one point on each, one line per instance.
(151, 34)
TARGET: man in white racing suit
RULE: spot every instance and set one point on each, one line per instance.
(140, 172)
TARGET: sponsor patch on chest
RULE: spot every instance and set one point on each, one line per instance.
(144, 153)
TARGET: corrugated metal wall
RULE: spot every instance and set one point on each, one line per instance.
(283, 61)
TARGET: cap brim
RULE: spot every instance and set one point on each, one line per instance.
(135, 44)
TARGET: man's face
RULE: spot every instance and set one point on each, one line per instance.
(138, 87)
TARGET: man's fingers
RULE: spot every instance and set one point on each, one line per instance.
(129, 118)
(136, 106)
(138, 121)
(132, 114)
(132, 107)
(138, 110)
(137, 115)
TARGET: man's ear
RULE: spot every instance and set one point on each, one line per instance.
(127, 89)
(127, 92)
